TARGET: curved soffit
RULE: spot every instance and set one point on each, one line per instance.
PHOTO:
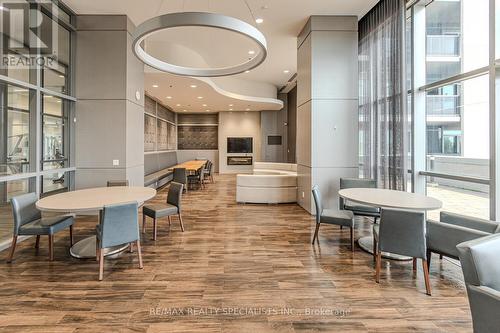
(254, 95)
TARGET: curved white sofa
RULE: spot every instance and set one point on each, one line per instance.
(269, 183)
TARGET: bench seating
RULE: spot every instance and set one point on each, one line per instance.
(156, 168)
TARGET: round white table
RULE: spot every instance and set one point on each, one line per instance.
(383, 198)
(91, 200)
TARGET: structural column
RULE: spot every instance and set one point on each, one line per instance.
(327, 106)
(110, 107)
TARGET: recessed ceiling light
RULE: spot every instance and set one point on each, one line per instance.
(251, 52)
(193, 86)
(247, 109)
(230, 104)
(259, 20)
(207, 110)
(177, 105)
(184, 110)
(200, 97)
(155, 86)
(169, 97)
(247, 71)
(204, 105)
(230, 109)
(286, 71)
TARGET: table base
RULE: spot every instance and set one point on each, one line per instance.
(85, 249)
(366, 243)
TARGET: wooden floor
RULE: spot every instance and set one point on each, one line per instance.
(236, 268)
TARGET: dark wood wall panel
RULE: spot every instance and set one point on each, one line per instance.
(197, 137)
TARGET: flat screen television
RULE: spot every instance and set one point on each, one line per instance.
(240, 145)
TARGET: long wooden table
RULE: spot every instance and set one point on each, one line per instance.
(190, 166)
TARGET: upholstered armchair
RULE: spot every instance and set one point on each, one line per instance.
(443, 236)
(481, 267)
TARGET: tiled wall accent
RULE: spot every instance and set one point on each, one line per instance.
(198, 137)
(197, 131)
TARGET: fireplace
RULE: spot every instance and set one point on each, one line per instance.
(239, 160)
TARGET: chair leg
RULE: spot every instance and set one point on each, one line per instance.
(440, 257)
(180, 221)
(97, 250)
(414, 264)
(12, 249)
(352, 239)
(155, 228)
(143, 223)
(169, 221)
(374, 249)
(426, 277)
(37, 242)
(101, 264)
(131, 247)
(51, 247)
(377, 265)
(429, 256)
(70, 235)
(341, 227)
(139, 253)
(316, 233)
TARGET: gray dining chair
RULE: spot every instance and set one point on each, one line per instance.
(118, 225)
(197, 178)
(28, 221)
(112, 183)
(180, 176)
(401, 232)
(343, 218)
(171, 207)
(481, 267)
(358, 209)
(444, 235)
(208, 171)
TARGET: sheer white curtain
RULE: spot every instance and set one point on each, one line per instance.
(382, 96)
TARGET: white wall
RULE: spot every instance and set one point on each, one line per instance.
(238, 124)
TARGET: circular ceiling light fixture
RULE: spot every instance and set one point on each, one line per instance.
(198, 19)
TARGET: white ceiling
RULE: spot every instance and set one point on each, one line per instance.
(283, 20)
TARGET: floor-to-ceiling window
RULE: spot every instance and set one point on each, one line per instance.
(36, 102)
(451, 103)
